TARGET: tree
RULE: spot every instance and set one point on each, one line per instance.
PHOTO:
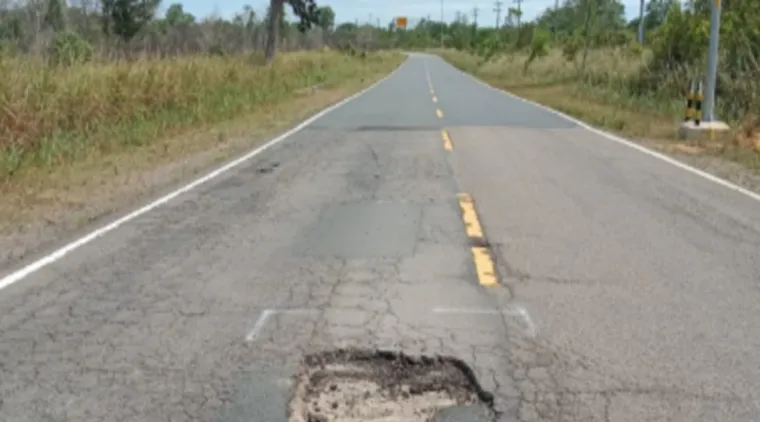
(54, 15)
(305, 10)
(249, 17)
(125, 18)
(325, 18)
(657, 11)
(11, 26)
(176, 16)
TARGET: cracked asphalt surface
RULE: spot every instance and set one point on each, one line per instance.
(629, 288)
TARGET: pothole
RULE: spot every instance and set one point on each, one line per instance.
(379, 386)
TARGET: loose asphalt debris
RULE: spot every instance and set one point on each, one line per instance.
(380, 386)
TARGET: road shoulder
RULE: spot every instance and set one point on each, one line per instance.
(43, 207)
(734, 164)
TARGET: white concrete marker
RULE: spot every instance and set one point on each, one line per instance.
(60, 253)
(622, 141)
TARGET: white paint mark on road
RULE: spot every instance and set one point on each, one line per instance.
(715, 179)
(466, 311)
(523, 314)
(427, 77)
(60, 253)
(515, 311)
(266, 314)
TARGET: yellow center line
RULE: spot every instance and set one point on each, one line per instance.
(484, 267)
(435, 99)
(481, 255)
(447, 144)
(470, 217)
(439, 113)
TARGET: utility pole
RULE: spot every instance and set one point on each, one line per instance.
(712, 63)
(475, 16)
(641, 22)
(497, 9)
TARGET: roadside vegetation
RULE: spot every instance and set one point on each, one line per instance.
(104, 102)
(584, 59)
(78, 81)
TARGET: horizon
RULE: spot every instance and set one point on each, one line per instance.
(366, 11)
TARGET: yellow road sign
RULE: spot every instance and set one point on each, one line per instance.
(401, 22)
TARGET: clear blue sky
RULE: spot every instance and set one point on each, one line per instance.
(385, 10)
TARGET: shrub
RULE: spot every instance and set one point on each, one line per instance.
(571, 48)
(69, 48)
(539, 47)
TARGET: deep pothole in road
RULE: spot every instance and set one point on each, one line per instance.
(380, 386)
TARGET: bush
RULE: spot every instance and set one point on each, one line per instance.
(635, 49)
(69, 48)
(216, 50)
(571, 48)
(539, 47)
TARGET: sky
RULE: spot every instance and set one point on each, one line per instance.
(386, 10)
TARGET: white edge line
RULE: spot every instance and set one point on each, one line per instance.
(61, 252)
(711, 177)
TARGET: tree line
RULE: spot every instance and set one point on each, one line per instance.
(674, 49)
(128, 27)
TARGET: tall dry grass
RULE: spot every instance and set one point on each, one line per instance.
(609, 73)
(619, 77)
(50, 115)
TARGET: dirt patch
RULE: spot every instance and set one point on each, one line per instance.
(375, 386)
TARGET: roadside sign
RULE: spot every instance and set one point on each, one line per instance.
(401, 22)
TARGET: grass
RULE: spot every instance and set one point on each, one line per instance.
(52, 116)
(78, 142)
(602, 96)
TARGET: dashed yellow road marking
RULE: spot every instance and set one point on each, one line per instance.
(484, 266)
(447, 144)
(481, 255)
(427, 77)
(435, 99)
(439, 113)
(470, 217)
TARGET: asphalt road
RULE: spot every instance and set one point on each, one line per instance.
(627, 287)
